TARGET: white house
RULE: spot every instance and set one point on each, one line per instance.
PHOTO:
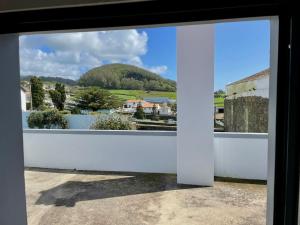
(23, 99)
(165, 109)
(254, 85)
(131, 105)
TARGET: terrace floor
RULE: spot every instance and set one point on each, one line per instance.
(102, 198)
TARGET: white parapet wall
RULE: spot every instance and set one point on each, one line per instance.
(134, 151)
(237, 155)
(241, 155)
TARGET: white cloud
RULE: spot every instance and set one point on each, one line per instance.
(158, 69)
(69, 54)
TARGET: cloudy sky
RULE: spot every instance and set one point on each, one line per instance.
(71, 54)
(241, 49)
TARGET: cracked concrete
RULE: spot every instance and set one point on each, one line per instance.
(103, 198)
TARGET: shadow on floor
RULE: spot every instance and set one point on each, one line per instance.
(70, 192)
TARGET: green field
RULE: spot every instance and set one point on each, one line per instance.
(219, 101)
(140, 94)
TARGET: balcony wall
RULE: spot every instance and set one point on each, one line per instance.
(241, 155)
(237, 155)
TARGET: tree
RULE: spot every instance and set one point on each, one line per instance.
(37, 92)
(219, 93)
(96, 99)
(58, 96)
(139, 114)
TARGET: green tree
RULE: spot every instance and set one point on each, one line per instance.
(219, 93)
(139, 114)
(37, 92)
(95, 99)
(58, 96)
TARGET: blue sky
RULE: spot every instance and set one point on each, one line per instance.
(241, 49)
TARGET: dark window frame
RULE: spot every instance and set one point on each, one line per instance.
(286, 185)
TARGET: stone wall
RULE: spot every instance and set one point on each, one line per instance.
(246, 114)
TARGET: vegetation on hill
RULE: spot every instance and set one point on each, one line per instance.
(128, 77)
(61, 80)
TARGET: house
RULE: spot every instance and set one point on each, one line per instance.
(23, 99)
(254, 85)
(246, 104)
(165, 109)
(131, 105)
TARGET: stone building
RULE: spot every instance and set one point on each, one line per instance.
(246, 104)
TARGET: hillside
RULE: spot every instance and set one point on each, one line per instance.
(52, 79)
(126, 77)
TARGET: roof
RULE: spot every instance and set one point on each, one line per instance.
(134, 100)
(23, 89)
(158, 99)
(148, 105)
(261, 74)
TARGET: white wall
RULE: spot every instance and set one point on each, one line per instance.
(236, 155)
(23, 101)
(242, 155)
(135, 151)
(195, 88)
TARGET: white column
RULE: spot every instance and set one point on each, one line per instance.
(195, 87)
(12, 188)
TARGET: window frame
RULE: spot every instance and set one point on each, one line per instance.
(146, 13)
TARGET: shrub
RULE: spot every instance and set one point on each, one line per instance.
(112, 122)
(139, 114)
(75, 110)
(49, 119)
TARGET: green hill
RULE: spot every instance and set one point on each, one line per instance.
(127, 77)
(51, 79)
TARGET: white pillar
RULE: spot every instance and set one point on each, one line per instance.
(12, 188)
(195, 87)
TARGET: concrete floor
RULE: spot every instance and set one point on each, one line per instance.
(69, 198)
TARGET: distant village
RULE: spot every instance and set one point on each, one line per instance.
(244, 108)
(159, 113)
(129, 106)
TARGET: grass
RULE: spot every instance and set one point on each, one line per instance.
(140, 94)
(219, 101)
